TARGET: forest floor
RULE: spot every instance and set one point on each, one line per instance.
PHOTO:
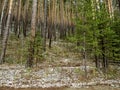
(62, 66)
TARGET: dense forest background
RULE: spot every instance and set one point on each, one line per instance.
(28, 29)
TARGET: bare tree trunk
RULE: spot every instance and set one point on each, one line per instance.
(41, 18)
(18, 20)
(2, 14)
(61, 19)
(105, 61)
(25, 26)
(32, 38)
(110, 8)
(45, 25)
(85, 58)
(5, 37)
(119, 4)
(55, 19)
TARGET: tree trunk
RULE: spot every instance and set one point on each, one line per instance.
(61, 19)
(5, 37)
(105, 62)
(110, 8)
(85, 58)
(2, 15)
(18, 19)
(25, 26)
(45, 25)
(32, 38)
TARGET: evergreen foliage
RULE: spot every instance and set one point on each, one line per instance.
(102, 33)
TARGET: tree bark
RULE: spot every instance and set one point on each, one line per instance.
(32, 38)
(19, 17)
(5, 37)
(25, 21)
(110, 8)
(2, 15)
(45, 25)
(61, 19)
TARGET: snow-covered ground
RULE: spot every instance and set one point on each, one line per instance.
(19, 77)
